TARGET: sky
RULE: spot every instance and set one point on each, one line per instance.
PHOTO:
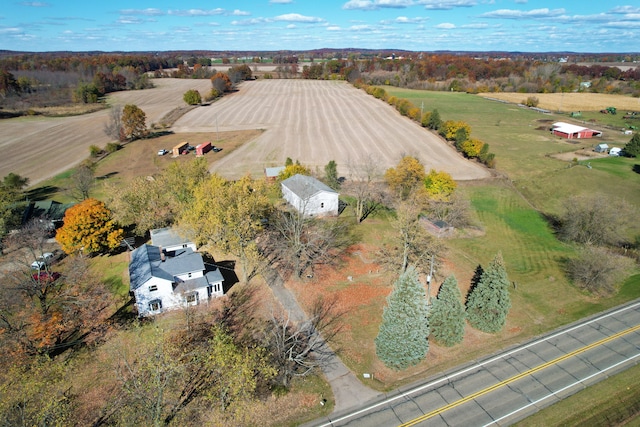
(255, 25)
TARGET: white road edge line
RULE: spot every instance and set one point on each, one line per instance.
(486, 362)
(563, 389)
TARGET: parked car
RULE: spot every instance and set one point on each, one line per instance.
(162, 152)
(42, 260)
(217, 149)
(43, 276)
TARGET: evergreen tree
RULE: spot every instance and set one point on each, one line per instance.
(446, 317)
(434, 120)
(402, 340)
(632, 149)
(488, 302)
(331, 175)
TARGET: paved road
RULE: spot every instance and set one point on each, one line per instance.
(512, 385)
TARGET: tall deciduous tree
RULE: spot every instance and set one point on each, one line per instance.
(402, 340)
(134, 122)
(488, 302)
(364, 186)
(439, 185)
(447, 317)
(89, 228)
(408, 175)
(229, 215)
(594, 220)
(113, 128)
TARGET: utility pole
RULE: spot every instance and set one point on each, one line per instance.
(429, 277)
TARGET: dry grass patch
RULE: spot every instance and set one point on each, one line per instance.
(567, 102)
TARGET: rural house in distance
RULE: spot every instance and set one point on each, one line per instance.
(170, 274)
(310, 196)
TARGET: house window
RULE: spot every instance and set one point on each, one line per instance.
(155, 305)
(216, 288)
(189, 274)
(153, 288)
(321, 205)
(192, 298)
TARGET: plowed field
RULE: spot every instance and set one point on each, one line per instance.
(318, 121)
(310, 121)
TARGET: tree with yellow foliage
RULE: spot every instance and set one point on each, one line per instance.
(405, 177)
(450, 127)
(229, 215)
(89, 228)
(439, 185)
(293, 169)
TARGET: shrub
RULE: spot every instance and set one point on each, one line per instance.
(598, 270)
(112, 147)
(531, 101)
(94, 151)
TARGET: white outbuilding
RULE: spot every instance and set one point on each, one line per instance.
(310, 196)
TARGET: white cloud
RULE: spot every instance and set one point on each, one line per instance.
(446, 26)
(35, 4)
(405, 20)
(198, 12)
(625, 9)
(145, 12)
(377, 4)
(476, 26)
(280, 1)
(240, 13)
(523, 14)
(296, 17)
(129, 20)
(253, 21)
(446, 4)
(333, 28)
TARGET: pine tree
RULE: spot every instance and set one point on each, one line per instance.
(632, 149)
(488, 303)
(446, 317)
(402, 340)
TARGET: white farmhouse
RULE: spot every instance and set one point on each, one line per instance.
(169, 240)
(163, 280)
(310, 196)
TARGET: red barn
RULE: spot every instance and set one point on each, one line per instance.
(570, 131)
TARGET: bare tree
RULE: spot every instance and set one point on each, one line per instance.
(599, 270)
(299, 242)
(299, 349)
(412, 244)
(366, 187)
(455, 212)
(594, 220)
(82, 180)
(113, 128)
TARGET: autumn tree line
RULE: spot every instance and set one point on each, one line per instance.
(455, 131)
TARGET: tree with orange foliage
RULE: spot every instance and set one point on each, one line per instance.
(89, 228)
(221, 82)
(405, 177)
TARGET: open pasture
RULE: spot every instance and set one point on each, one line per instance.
(318, 121)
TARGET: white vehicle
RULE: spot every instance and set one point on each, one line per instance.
(162, 152)
(41, 261)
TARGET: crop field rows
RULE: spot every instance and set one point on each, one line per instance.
(318, 121)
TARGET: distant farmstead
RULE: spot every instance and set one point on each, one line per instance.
(569, 131)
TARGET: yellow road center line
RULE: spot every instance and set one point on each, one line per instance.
(517, 377)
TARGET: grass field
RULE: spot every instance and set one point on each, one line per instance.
(510, 212)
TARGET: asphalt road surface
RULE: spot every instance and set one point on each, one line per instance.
(512, 385)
